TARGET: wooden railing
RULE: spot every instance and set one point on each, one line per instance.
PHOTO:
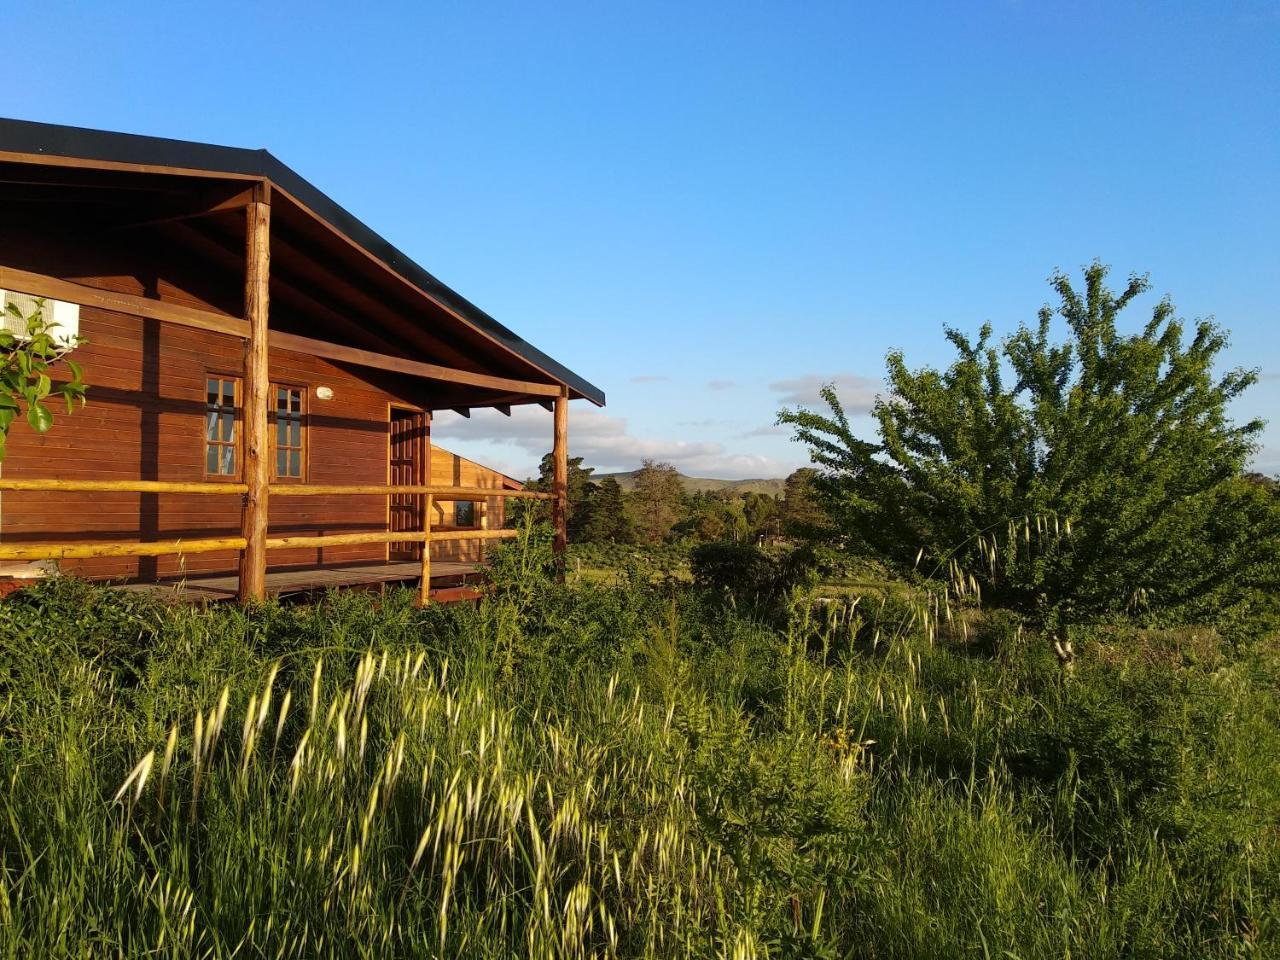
(73, 551)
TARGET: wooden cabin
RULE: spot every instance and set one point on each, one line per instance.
(262, 372)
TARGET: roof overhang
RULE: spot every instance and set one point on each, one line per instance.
(30, 142)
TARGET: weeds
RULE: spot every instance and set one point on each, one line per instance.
(637, 771)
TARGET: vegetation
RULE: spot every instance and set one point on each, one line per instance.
(658, 507)
(821, 726)
(26, 360)
(649, 770)
(1093, 477)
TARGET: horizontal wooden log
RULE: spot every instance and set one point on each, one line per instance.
(81, 551)
(444, 536)
(343, 539)
(39, 285)
(387, 536)
(416, 368)
(374, 490)
(122, 486)
(277, 489)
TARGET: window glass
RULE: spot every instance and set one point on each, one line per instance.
(464, 513)
(287, 437)
(220, 427)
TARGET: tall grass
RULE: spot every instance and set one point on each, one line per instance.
(638, 771)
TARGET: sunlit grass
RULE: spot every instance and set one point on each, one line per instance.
(623, 772)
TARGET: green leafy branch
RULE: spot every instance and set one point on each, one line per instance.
(25, 362)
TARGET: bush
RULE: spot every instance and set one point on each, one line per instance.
(751, 575)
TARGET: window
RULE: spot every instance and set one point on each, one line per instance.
(287, 409)
(464, 513)
(63, 318)
(220, 427)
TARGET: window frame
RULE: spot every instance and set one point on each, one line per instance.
(475, 515)
(237, 396)
(273, 430)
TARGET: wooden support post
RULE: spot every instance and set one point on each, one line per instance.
(560, 458)
(424, 586)
(257, 466)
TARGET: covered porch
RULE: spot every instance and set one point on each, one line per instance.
(196, 244)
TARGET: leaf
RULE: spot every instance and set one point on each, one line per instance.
(39, 417)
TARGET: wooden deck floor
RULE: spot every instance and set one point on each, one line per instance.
(447, 578)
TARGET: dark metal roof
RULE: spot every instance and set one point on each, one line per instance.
(29, 137)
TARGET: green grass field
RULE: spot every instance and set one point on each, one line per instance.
(625, 771)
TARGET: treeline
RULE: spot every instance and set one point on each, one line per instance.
(660, 511)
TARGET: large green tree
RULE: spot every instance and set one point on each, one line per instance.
(803, 514)
(1101, 473)
(605, 514)
(655, 502)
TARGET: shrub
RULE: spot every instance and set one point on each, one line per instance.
(751, 575)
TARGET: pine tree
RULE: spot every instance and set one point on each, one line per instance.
(606, 519)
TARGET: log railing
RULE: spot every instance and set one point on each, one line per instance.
(74, 551)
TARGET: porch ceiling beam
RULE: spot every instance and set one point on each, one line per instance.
(214, 202)
(319, 270)
(40, 285)
(416, 368)
(284, 290)
(476, 401)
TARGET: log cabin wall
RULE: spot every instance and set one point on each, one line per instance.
(450, 469)
(145, 421)
(146, 414)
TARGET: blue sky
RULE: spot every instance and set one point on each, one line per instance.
(709, 209)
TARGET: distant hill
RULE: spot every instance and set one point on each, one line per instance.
(627, 481)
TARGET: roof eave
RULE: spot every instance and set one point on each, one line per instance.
(158, 154)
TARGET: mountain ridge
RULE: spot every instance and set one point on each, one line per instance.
(772, 486)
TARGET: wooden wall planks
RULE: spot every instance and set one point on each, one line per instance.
(145, 421)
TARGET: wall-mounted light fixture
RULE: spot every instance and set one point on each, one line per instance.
(324, 393)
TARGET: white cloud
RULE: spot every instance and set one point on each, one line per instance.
(856, 393)
(718, 384)
(649, 378)
(704, 423)
(602, 440)
(1267, 460)
(772, 430)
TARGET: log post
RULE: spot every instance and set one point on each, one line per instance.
(560, 458)
(428, 503)
(256, 465)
